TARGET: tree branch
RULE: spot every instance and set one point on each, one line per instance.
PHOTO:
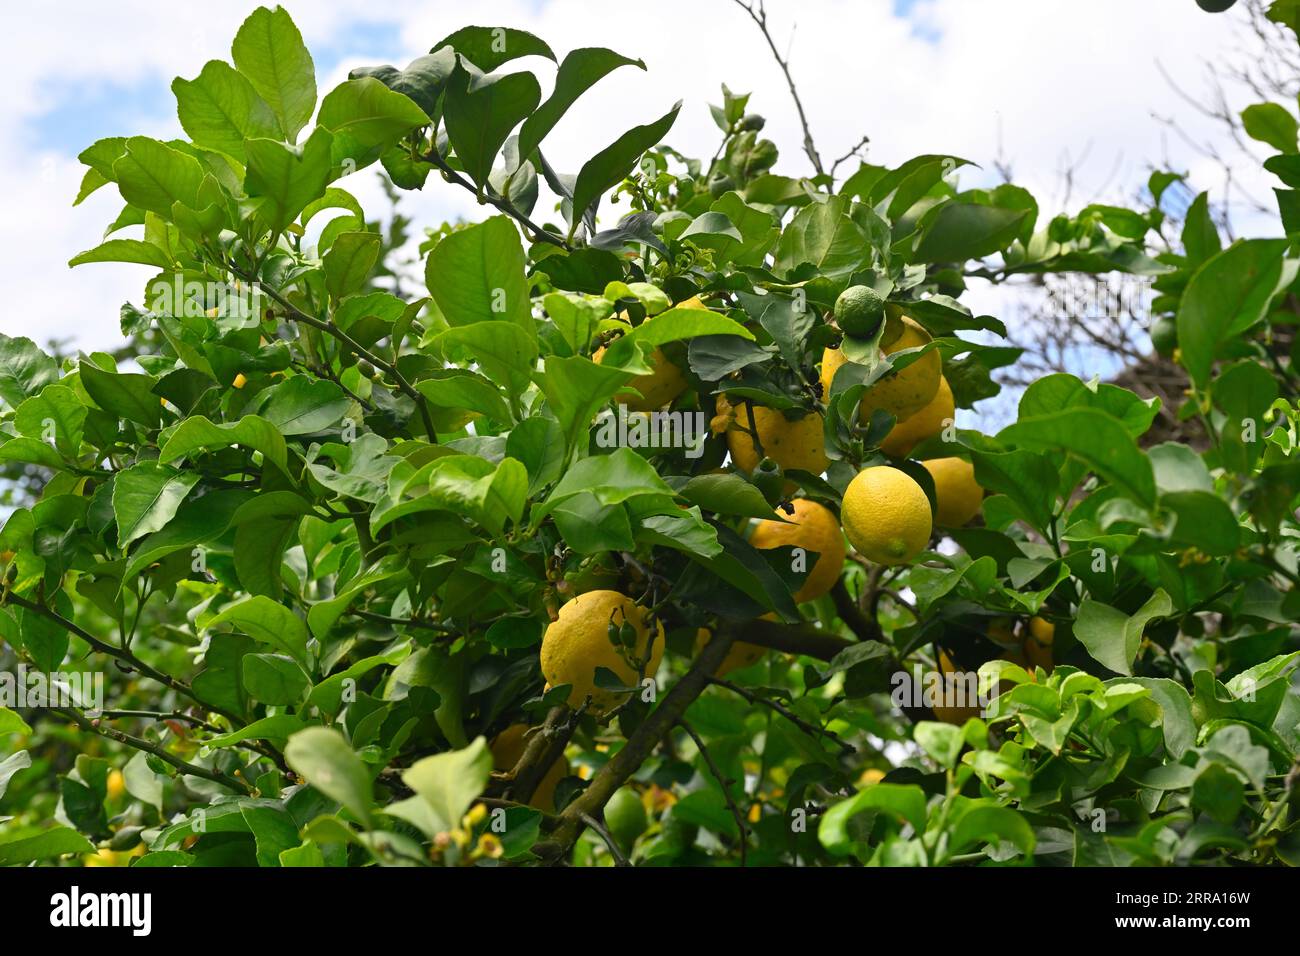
(741, 828)
(759, 16)
(434, 158)
(216, 776)
(811, 730)
(623, 764)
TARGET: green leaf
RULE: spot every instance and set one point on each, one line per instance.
(489, 494)
(326, 762)
(463, 389)
(197, 434)
(146, 496)
(481, 112)
(349, 261)
(823, 235)
(24, 847)
(1096, 438)
(611, 165)
(288, 178)
(124, 250)
(943, 742)
(422, 80)
(46, 641)
(153, 176)
(476, 274)
(1271, 123)
(24, 369)
(988, 824)
(13, 764)
(1113, 637)
(489, 47)
(366, 118)
(303, 405)
(580, 70)
(957, 231)
(124, 394)
(1176, 712)
(57, 407)
(1226, 296)
(449, 782)
(277, 727)
(503, 350)
(11, 723)
(677, 323)
(1218, 792)
(727, 494)
(270, 623)
(198, 521)
(611, 479)
(219, 109)
(1200, 235)
(269, 51)
(900, 801)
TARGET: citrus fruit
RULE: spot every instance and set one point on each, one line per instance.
(957, 496)
(796, 443)
(886, 515)
(1038, 643)
(665, 383)
(508, 746)
(859, 311)
(115, 785)
(955, 714)
(814, 529)
(902, 393)
(579, 641)
(926, 423)
(1164, 335)
(740, 655)
(625, 817)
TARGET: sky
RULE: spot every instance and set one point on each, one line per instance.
(1045, 84)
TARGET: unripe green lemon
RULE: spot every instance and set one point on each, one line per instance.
(625, 817)
(859, 310)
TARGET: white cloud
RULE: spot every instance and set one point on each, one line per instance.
(1051, 77)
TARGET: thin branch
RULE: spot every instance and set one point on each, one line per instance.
(216, 776)
(850, 154)
(356, 348)
(723, 782)
(615, 851)
(416, 622)
(434, 158)
(759, 16)
(811, 730)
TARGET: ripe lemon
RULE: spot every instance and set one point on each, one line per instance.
(240, 380)
(115, 785)
(740, 654)
(814, 529)
(1038, 643)
(903, 393)
(859, 311)
(886, 515)
(665, 383)
(792, 443)
(956, 714)
(926, 423)
(578, 642)
(957, 496)
(508, 746)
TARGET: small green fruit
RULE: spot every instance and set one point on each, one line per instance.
(859, 311)
(1164, 335)
(625, 817)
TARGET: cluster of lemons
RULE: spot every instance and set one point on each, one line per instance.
(885, 514)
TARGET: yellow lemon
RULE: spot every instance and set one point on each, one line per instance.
(740, 655)
(886, 515)
(665, 383)
(240, 380)
(792, 443)
(957, 496)
(116, 784)
(579, 641)
(815, 529)
(508, 746)
(926, 423)
(1038, 643)
(955, 714)
(905, 392)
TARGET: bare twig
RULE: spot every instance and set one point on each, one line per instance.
(811, 730)
(758, 13)
(723, 782)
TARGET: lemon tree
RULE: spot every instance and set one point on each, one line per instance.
(612, 545)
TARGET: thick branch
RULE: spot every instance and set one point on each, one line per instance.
(793, 639)
(623, 764)
(543, 748)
